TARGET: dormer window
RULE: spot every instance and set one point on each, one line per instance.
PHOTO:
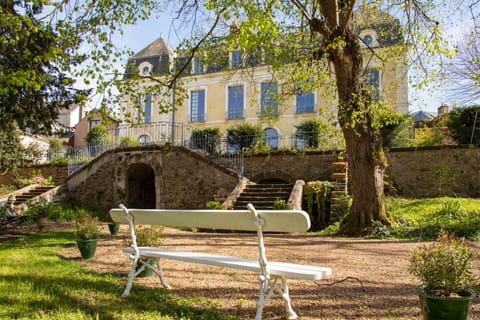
(145, 69)
(369, 38)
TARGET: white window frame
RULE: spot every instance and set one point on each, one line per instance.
(190, 103)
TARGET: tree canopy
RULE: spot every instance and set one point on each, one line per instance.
(34, 61)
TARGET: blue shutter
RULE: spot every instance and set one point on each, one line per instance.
(148, 109)
(269, 105)
(235, 102)
(272, 138)
(305, 102)
(372, 79)
(201, 105)
(236, 59)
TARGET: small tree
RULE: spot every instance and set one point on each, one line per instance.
(96, 134)
(309, 131)
(205, 139)
(245, 135)
(11, 150)
(460, 124)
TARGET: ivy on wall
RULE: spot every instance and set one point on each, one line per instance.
(317, 198)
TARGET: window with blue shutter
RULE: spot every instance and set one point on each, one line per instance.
(235, 102)
(269, 102)
(236, 59)
(272, 138)
(197, 106)
(305, 102)
(197, 65)
(148, 109)
(372, 79)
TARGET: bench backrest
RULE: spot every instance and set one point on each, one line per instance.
(239, 220)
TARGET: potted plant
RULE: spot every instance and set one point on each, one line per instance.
(448, 284)
(87, 232)
(148, 237)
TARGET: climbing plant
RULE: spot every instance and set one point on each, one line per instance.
(317, 198)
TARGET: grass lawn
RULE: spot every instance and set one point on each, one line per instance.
(424, 218)
(36, 283)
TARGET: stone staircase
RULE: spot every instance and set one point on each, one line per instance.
(263, 196)
(22, 198)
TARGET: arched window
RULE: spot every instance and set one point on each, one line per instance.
(144, 139)
(272, 137)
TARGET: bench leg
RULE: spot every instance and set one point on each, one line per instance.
(267, 288)
(131, 275)
(284, 293)
(158, 270)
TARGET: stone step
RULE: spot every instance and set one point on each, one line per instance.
(264, 194)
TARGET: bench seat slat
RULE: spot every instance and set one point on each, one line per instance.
(287, 270)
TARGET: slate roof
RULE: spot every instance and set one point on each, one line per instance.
(157, 48)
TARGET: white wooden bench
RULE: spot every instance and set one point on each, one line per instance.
(273, 275)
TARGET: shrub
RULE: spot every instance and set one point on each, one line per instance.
(86, 227)
(148, 236)
(245, 135)
(309, 132)
(281, 204)
(460, 124)
(317, 198)
(444, 267)
(129, 142)
(215, 205)
(96, 134)
(205, 139)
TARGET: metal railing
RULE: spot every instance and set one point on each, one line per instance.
(226, 151)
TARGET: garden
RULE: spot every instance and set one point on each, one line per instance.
(44, 277)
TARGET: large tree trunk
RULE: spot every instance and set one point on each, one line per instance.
(363, 145)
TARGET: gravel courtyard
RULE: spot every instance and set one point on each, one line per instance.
(370, 278)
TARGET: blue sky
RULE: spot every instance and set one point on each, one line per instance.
(139, 36)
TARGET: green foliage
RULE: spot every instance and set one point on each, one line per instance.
(86, 227)
(59, 161)
(428, 137)
(460, 124)
(205, 139)
(444, 267)
(129, 142)
(281, 204)
(55, 145)
(310, 130)
(317, 197)
(35, 60)
(96, 134)
(148, 236)
(245, 135)
(215, 205)
(6, 189)
(12, 153)
(398, 133)
(425, 218)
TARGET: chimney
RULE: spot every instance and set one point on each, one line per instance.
(234, 26)
(443, 109)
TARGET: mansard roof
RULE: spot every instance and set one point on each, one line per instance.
(157, 48)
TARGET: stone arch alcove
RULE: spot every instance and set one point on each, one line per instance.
(273, 176)
(140, 186)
